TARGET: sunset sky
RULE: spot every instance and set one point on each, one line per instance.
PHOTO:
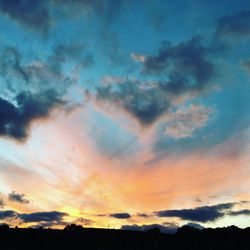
(125, 113)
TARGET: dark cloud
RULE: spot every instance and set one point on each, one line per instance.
(164, 229)
(29, 91)
(234, 25)
(185, 67)
(11, 64)
(68, 53)
(16, 119)
(8, 214)
(39, 15)
(65, 52)
(32, 14)
(41, 76)
(146, 105)
(53, 216)
(179, 69)
(37, 75)
(42, 219)
(120, 215)
(199, 214)
(240, 212)
(13, 196)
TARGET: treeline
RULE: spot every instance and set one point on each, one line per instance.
(75, 237)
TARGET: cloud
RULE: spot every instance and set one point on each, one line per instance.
(164, 229)
(36, 75)
(144, 104)
(234, 25)
(42, 219)
(240, 212)
(185, 66)
(2, 204)
(107, 80)
(120, 215)
(7, 214)
(15, 120)
(53, 216)
(31, 14)
(198, 214)
(179, 69)
(39, 15)
(13, 196)
(68, 53)
(11, 64)
(138, 57)
(186, 120)
(28, 92)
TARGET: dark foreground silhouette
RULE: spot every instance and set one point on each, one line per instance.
(74, 237)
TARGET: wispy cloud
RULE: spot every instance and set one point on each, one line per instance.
(186, 120)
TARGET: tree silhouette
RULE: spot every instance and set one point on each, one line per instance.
(73, 227)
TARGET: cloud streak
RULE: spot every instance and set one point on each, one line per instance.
(240, 212)
(53, 216)
(8, 214)
(198, 214)
(120, 215)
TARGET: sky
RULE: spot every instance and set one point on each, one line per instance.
(125, 114)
